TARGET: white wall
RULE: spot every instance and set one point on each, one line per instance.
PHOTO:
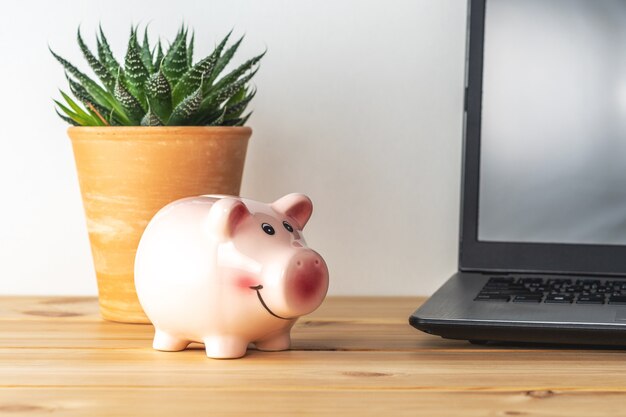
(359, 106)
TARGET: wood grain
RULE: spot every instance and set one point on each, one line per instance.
(354, 356)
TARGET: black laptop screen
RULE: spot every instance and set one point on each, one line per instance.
(553, 123)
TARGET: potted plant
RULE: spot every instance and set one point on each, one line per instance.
(157, 127)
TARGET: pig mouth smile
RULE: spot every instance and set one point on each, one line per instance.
(258, 289)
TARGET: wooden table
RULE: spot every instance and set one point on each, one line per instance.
(354, 356)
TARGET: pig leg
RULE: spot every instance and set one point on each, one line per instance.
(168, 343)
(225, 347)
(275, 342)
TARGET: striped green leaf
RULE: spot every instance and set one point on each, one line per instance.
(67, 119)
(85, 118)
(238, 72)
(223, 61)
(175, 61)
(159, 95)
(190, 50)
(146, 53)
(97, 117)
(238, 96)
(83, 96)
(131, 105)
(235, 108)
(75, 107)
(229, 90)
(204, 118)
(186, 110)
(78, 119)
(135, 71)
(159, 57)
(105, 55)
(217, 96)
(113, 120)
(100, 95)
(151, 119)
(74, 111)
(244, 119)
(98, 68)
(193, 77)
(240, 121)
(218, 120)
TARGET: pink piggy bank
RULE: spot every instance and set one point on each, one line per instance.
(227, 271)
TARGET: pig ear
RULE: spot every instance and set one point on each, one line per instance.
(297, 206)
(224, 217)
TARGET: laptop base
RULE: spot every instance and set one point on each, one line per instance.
(453, 313)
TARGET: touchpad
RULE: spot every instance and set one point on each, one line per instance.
(620, 315)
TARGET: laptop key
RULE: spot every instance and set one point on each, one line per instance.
(559, 298)
(617, 299)
(559, 281)
(501, 280)
(528, 299)
(492, 297)
(504, 292)
(531, 280)
(588, 281)
(503, 285)
(590, 299)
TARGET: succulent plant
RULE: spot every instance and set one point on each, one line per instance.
(158, 86)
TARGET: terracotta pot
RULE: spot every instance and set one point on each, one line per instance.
(127, 174)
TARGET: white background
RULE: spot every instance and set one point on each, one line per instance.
(359, 106)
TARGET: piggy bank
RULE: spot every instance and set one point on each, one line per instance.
(227, 271)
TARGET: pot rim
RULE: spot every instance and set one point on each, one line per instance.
(146, 129)
(149, 133)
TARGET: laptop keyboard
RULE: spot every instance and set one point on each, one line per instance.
(553, 290)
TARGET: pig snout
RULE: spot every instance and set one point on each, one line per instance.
(307, 281)
(299, 288)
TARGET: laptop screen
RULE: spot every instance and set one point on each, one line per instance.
(553, 124)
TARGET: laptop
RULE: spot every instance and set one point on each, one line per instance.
(542, 247)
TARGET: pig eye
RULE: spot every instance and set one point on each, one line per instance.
(288, 227)
(267, 228)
